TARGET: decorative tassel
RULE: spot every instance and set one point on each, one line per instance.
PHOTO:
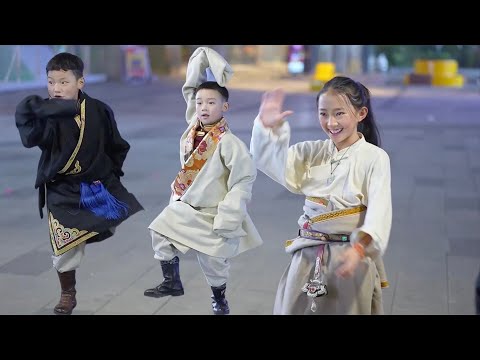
(96, 198)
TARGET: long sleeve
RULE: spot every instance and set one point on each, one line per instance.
(269, 149)
(232, 210)
(378, 219)
(32, 115)
(201, 59)
(117, 148)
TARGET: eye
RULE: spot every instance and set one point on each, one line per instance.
(340, 113)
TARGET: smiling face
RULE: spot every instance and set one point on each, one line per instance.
(210, 106)
(339, 119)
(63, 84)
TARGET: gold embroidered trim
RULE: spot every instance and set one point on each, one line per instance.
(337, 213)
(76, 170)
(318, 200)
(63, 239)
(80, 139)
(288, 242)
(78, 121)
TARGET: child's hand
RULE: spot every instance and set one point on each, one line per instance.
(349, 261)
(271, 114)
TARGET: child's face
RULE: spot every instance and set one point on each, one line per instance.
(210, 106)
(63, 84)
(339, 119)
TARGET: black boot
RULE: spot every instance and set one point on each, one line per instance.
(171, 285)
(67, 298)
(219, 303)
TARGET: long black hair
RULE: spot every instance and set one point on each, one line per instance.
(359, 96)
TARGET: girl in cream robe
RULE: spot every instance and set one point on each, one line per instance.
(346, 192)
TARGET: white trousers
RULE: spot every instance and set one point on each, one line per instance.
(215, 269)
(71, 259)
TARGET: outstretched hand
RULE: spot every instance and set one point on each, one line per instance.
(270, 113)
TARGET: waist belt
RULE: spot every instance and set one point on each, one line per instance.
(317, 235)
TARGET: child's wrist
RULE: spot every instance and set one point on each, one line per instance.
(360, 249)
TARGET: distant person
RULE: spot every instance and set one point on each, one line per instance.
(207, 211)
(82, 154)
(336, 265)
(382, 63)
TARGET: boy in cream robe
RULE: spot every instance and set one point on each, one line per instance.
(207, 211)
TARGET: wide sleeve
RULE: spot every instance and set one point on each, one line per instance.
(232, 210)
(34, 117)
(201, 59)
(273, 155)
(378, 219)
(117, 147)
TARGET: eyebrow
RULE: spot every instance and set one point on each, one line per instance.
(336, 109)
(62, 78)
(200, 98)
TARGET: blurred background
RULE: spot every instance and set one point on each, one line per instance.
(23, 66)
(426, 100)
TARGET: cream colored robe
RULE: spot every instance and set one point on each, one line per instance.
(361, 178)
(212, 216)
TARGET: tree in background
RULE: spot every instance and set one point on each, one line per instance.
(468, 56)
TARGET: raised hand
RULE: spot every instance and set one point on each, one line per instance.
(270, 113)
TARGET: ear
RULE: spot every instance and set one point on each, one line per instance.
(362, 114)
(81, 83)
(225, 106)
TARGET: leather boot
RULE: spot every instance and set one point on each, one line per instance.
(67, 298)
(171, 285)
(219, 303)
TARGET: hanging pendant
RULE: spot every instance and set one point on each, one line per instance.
(330, 179)
(315, 288)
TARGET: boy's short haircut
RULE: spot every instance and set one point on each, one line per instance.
(213, 85)
(66, 61)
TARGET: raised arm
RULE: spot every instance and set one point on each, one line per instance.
(271, 137)
(32, 115)
(201, 59)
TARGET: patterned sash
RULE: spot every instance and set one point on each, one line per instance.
(198, 157)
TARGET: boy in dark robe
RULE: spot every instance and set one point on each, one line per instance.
(78, 176)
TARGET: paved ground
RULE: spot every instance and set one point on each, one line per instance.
(431, 134)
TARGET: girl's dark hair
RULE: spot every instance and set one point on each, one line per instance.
(213, 85)
(66, 61)
(359, 96)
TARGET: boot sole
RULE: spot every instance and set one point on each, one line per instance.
(177, 293)
(63, 313)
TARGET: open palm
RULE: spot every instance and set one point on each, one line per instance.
(270, 113)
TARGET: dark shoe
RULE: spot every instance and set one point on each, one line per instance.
(219, 303)
(67, 298)
(171, 285)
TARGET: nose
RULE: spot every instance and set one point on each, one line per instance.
(331, 121)
(56, 87)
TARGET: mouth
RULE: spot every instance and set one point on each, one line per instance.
(204, 116)
(334, 132)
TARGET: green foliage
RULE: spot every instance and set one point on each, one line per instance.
(468, 56)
